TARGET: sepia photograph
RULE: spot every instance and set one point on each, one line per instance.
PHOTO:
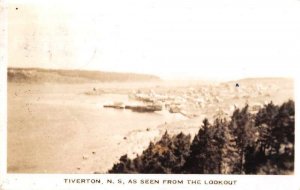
(150, 87)
(62, 121)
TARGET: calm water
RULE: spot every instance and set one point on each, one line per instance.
(50, 128)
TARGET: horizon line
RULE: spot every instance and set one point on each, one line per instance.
(166, 78)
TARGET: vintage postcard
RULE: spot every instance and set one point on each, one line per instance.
(149, 94)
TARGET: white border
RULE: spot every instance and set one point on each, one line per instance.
(3, 90)
(56, 181)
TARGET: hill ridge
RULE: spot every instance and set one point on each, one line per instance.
(40, 75)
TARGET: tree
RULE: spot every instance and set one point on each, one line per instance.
(198, 151)
(283, 138)
(242, 126)
(229, 150)
(209, 149)
(273, 152)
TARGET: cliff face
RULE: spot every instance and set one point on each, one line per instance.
(34, 75)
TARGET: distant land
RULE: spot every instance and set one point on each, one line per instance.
(266, 79)
(38, 75)
(282, 82)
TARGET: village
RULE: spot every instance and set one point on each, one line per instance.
(219, 101)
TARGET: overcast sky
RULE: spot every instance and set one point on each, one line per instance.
(170, 38)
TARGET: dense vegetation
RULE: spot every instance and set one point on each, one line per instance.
(261, 143)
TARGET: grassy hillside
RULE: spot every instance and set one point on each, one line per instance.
(35, 75)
